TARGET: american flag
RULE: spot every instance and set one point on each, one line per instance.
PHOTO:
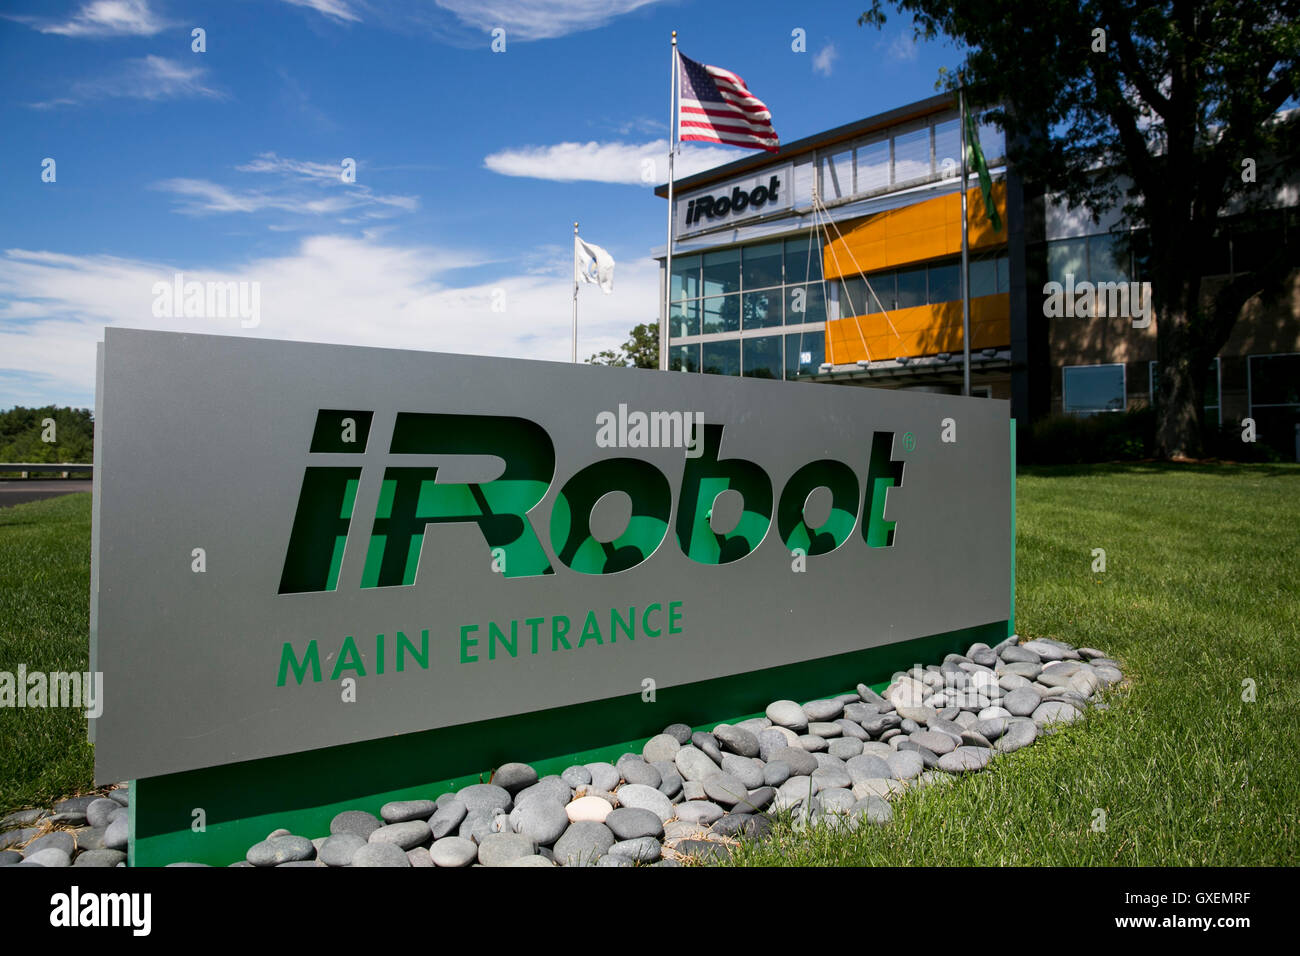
(717, 107)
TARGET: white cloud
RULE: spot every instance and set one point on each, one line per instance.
(642, 125)
(824, 60)
(902, 48)
(303, 169)
(333, 9)
(106, 18)
(638, 164)
(148, 78)
(54, 307)
(540, 19)
(201, 196)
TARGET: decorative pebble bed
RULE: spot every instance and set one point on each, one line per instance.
(688, 794)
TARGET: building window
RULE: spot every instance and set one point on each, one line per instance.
(932, 284)
(1273, 393)
(992, 143)
(782, 283)
(686, 279)
(804, 353)
(911, 153)
(1089, 389)
(836, 176)
(721, 272)
(912, 156)
(760, 310)
(947, 146)
(1101, 258)
(945, 282)
(684, 358)
(805, 304)
(1212, 400)
(721, 313)
(989, 276)
(761, 357)
(1067, 258)
(911, 287)
(761, 265)
(722, 358)
(803, 261)
(873, 166)
(1107, 258)
(684, 318)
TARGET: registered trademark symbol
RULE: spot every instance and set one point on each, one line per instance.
(909, 442)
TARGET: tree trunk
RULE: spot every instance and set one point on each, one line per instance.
(1182, 367)
(1179, 415)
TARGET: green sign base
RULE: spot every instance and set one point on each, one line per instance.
(239, 804)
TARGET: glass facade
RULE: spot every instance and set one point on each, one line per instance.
(1104, 258)
(762, 287)
(930, 284)
(902, 156)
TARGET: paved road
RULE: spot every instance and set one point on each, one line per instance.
(18, 491)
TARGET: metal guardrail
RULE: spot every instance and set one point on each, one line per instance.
(64, 468)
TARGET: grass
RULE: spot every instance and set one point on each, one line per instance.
(1200, 593)
(44, 623)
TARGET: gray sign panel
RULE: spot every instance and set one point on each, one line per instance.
(465, 538)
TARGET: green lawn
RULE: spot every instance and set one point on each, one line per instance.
(44, 623)
(1201, 592)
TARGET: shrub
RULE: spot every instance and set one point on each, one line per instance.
(1079, 439)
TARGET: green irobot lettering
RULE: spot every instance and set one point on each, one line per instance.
(412, 500)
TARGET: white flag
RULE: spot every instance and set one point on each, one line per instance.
(593, 264)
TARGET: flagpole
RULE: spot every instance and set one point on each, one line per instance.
(965, 252)
(668, 260)
(575, 293)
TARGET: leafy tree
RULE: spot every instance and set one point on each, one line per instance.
(23, 432)
(1174, 96)
(641, 350)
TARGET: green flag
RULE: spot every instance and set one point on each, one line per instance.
(975, 158)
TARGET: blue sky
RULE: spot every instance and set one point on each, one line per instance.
(471, 165)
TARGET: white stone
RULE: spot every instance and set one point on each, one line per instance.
(594, 809)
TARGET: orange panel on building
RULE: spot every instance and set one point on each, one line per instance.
(921, 330)
(925, 230)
